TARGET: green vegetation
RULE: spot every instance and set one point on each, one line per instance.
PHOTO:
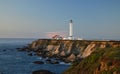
(89, 65)
(106, 72)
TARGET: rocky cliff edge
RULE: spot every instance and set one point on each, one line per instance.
(68, 50)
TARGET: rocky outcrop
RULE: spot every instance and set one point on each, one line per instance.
(71, 57)
(68, 50)
(88, 50)
(101, 61)
(38, 62)
(42, 72)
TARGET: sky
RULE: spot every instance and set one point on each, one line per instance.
(92, 19)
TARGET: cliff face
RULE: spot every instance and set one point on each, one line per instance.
(101, 61)
(69, 50)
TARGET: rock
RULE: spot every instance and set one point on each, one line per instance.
(38, 62)
(54, 62)
(48, 61)
(62, 53)
(56, 51)
(1, 73)
(18, 48)
(51, 61)
(33, 45)
(66, 61)
(71, 57)
(43, 56)
(62, 49)
(30, 54)
(21, 49)
(4, 50)
(102, 45)
(89, 49)
(42, 72)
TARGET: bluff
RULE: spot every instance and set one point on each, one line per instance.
(101, 61)
(68, 50)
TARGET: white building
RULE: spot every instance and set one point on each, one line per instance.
(71, 30)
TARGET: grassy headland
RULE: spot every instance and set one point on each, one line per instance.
(101, 61)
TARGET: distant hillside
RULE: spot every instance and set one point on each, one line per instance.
(101, 61)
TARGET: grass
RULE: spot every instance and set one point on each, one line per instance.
(91, 63)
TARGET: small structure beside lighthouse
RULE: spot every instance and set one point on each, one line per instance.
(70, 30)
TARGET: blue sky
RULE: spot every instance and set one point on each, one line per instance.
(92, 19)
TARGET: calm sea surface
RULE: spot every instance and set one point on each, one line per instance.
(14, 62)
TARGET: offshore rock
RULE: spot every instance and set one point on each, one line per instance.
(30, 54)
(42, 72)
(38, 62)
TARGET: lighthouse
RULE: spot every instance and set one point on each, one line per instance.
(71, 30)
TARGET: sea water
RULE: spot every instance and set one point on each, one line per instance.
(16, 62)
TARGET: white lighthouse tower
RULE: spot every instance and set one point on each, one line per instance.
(71, 30)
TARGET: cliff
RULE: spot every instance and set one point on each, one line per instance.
(101, 61)
(69, 50)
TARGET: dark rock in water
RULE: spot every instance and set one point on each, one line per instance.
(48, 61)
(1, 73)
(20, 49)
(54, 62)
(42, 72)
(30, 54)
(38, 62)
(4, 50)
(35, 54)
(24, 49)
(43, 56)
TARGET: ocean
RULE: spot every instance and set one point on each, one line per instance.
(13, 61)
